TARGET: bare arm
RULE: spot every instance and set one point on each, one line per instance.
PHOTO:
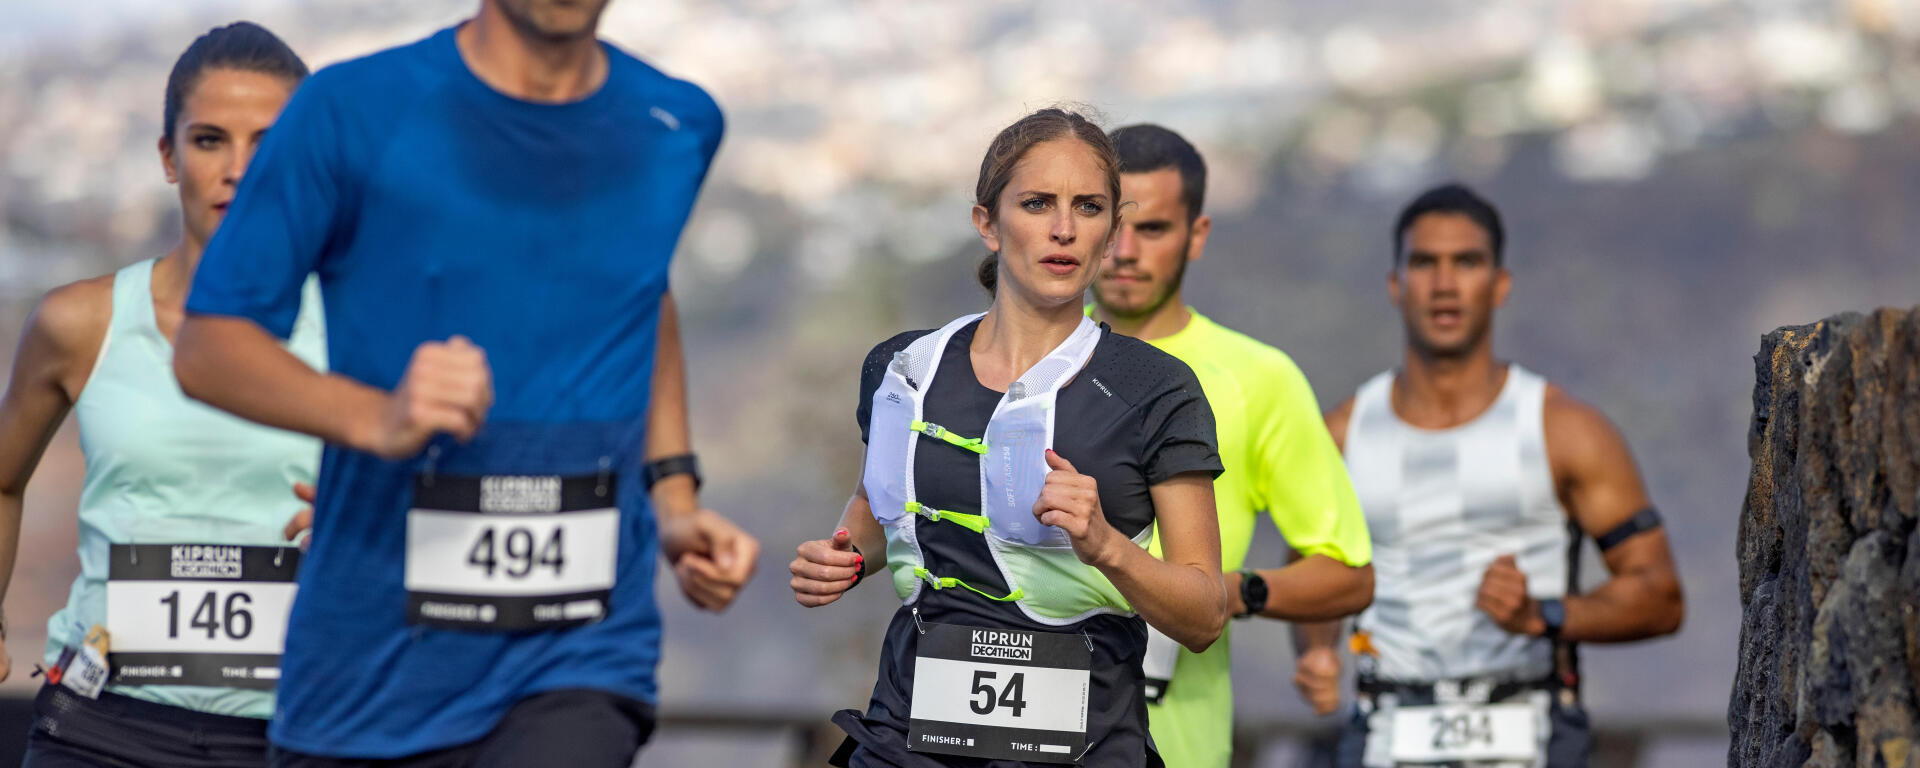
(51, 364)
(1302, 480)
(667, 431)
(235, 365)
(1601, 488)
(1181, 593)
(712, 558)
(1309, 589)
(1317, 643)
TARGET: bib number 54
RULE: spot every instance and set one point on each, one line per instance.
(1013, 696)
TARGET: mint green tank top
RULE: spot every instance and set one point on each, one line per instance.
(165, 469)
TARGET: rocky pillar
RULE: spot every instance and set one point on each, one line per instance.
(1829, 554)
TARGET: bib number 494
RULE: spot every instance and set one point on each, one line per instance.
(504, 553)
(516, 552)
(1012, 697)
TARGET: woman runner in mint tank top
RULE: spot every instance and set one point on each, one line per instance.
(168, 648)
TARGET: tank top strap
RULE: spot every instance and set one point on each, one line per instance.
(1372, 402)
(133, 297)
(1529, 393)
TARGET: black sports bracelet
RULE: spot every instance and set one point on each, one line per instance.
(661, 469)
(860, 575)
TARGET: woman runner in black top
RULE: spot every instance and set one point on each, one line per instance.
(1135, 448)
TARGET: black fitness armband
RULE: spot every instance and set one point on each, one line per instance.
(1642, 521)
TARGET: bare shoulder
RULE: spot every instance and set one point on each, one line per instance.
(1337, 422)
(1578, 435)
(65, 332)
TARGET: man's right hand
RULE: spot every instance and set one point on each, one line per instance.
(1317, 675)
(825, 568)
(448, 388)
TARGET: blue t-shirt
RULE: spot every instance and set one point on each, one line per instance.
(432, 205)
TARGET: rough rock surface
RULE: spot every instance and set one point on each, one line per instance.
(1829, 553)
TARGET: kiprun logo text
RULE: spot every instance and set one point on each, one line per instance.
(997, 644)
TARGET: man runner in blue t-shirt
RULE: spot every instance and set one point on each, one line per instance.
(480, 584)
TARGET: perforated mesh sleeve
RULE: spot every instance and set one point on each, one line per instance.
(876, 366)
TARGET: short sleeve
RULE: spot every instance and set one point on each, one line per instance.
(873, 369)
(1299, 476)
(281, 218)
(1179, 429)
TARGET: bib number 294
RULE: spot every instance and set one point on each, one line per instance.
(505, 553)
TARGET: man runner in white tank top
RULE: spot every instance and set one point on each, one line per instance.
(1478, 479)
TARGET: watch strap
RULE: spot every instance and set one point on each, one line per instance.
(660, 469)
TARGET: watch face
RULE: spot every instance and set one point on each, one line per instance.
(1254, 591)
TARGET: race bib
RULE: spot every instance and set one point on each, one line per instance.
(1000, 694)
(511, 552)
(1452, 733)
(198, 614)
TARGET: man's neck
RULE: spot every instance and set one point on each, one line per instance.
(526, 67)
(1435, 392)
(1171, 317)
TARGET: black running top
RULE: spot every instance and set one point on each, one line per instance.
(1133, 418)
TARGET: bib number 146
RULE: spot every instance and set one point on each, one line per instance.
(212, 614)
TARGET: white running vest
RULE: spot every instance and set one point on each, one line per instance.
(1047, 579)
(1441, 505)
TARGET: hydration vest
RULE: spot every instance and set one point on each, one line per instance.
(1047, 580)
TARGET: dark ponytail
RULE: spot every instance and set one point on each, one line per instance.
(989, 272)
(242, 45)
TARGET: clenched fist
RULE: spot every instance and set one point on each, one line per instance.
(447, 389)
(824, 569)
(1317, 675)
(1070, 501)
(1503, 597)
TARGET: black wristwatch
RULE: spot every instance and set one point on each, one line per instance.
(1553, 613)
(661, 469)
(1253, 592)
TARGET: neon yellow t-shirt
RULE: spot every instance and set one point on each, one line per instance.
(1279, 458)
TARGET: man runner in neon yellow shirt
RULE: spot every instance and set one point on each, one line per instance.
(1278, 455)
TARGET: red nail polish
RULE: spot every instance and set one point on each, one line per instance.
(1049, 450)
(840, 532)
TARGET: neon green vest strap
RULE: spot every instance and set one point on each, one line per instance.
(948, 582)
(975, 444)
(975, 523)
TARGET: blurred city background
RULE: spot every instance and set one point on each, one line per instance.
(1678, 177)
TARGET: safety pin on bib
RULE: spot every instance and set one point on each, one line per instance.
(606, 471)
(433, 458)
(916, 620)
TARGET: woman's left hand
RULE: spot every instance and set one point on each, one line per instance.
(1070, 501)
